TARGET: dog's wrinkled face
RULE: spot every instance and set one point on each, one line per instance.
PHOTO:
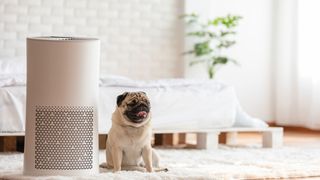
(134, 107)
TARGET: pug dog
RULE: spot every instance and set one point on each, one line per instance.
(129, 139)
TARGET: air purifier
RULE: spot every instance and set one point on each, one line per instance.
(61, 113)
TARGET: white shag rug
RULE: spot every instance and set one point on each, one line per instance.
(224, 163)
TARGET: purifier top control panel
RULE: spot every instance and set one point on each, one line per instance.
(62, 38)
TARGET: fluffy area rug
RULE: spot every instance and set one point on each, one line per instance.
(224, 163)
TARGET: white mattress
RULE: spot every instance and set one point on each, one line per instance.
(175, 104)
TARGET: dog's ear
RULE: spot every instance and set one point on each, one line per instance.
(121, 97)
(143, 92)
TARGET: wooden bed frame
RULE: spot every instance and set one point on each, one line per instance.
(272, 137)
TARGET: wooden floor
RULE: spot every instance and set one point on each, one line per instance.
(292, 137)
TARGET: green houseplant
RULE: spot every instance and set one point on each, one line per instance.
(211, 39)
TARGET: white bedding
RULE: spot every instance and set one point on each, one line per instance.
(176, 103)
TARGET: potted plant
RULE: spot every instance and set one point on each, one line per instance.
(211, 39)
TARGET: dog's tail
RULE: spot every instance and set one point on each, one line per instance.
(161, 169)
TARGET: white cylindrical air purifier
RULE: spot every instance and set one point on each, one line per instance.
(62, 97)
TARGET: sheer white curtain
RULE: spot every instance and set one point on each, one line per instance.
(297, 62)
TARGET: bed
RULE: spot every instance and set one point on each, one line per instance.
(178, 105)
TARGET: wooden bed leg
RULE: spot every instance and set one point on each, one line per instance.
(182, 138)
(208, 140)
(231, 138)
(272, 139)
(158, 139)
(8, 143)
(171, 139)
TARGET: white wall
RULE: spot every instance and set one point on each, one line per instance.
(253, 79)
(142, 38)
(139, 38)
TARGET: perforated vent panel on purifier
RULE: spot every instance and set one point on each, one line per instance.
(64, 137)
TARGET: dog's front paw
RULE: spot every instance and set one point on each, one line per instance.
(105, 165)
(115, 169)
(149, 169)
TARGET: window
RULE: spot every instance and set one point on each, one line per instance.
(309, 39)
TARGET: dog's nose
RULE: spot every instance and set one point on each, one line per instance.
(142, 114)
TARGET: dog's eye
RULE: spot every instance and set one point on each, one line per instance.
(134, 101)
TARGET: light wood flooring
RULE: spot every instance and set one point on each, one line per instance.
(292, 137)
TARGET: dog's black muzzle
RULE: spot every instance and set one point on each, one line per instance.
(137, 113)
